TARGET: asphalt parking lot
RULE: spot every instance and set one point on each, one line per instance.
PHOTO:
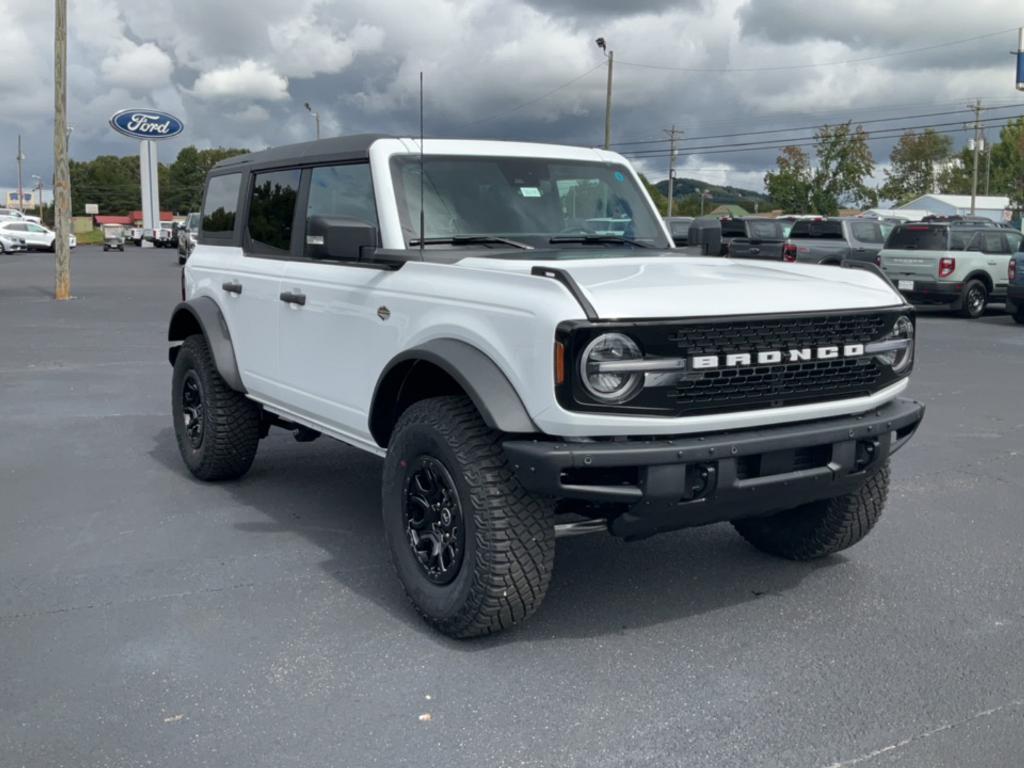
(147, 619)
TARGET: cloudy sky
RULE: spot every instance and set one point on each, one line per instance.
(238, 71)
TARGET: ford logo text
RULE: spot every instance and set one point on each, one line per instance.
(146, 124)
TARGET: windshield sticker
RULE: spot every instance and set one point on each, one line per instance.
(620, 176)
(529, 191)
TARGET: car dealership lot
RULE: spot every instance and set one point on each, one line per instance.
(145, 617)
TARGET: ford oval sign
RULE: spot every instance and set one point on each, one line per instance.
(146, 124)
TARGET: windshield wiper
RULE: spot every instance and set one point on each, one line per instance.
(471, 240)
(586, 239)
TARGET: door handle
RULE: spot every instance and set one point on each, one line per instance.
(232, 286)
(293, 297)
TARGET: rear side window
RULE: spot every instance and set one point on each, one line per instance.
(221, 203)
(866, 232)
(921, 237)
(828, 230)
(765, 230)
(272, 210)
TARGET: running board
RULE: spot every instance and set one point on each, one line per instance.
(581, 528)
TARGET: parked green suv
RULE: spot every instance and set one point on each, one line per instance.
(963, 267)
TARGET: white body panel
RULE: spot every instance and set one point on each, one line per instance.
(319, 363)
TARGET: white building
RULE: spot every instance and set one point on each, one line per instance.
(995, 207)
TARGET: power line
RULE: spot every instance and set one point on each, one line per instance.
(730, 148)
(660, 151)
(843, 62)
(812, 127)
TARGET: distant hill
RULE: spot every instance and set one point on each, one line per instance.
(684, 188)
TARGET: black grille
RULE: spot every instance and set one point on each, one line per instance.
(768, 386)
(779, 333)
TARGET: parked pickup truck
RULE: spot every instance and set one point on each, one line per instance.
(833, 240)
(752, 239)
(963, 267)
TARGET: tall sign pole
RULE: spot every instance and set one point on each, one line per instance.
(61, 174)
(150, 173)
(1020, 59)
(21, 189)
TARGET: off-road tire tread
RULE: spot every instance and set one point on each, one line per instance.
(514, 529)
(821, 528)
(232, 430)
(1018, 316)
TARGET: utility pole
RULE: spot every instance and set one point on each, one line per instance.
(977, 141)
(21, 191)
(602, 44)
(61, 176)
(672, 133)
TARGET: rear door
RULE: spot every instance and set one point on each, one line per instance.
(865, 238)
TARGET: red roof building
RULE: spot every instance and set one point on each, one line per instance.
(101, 220)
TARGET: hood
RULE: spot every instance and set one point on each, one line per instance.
(684, 286)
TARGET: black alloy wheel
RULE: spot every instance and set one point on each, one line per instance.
(433, 520)
(192, 412)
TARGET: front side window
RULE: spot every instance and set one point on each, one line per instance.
(342, 192)
(530, 200)
(272, 209)
(1016, 241)
(992, 242)
(221, 203)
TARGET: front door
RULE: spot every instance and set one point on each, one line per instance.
(331, 335)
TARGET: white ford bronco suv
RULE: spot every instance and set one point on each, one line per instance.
(464, 310)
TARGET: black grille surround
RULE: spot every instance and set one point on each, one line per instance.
(753, 387)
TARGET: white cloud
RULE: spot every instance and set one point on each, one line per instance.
(254, 113)
(246, 80)
(138, 67)
(304, 47)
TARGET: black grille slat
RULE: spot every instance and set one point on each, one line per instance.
(766, 386)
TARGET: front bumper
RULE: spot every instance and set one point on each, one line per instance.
(663, 484)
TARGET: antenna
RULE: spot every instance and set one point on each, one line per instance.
(422, 217)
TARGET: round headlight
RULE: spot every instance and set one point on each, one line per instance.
(602, 381)
(900, 359)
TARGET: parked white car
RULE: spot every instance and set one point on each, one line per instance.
(36, 236)
(14, 213)
(525, 373)
(10, 243)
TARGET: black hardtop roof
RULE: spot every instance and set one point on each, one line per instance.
(355, 147)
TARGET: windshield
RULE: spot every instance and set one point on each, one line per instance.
(530, 200)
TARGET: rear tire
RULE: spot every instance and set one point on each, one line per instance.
(973, 300)
(472, 548)
(217, 428)
(1018, 316)
(822, 527)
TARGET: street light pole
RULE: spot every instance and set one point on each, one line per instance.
(61, 176)
(316, 117)
(21, 191)
(977, 142)
(603, 45)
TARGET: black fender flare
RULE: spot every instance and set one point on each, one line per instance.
(203, 315)
(477, 374)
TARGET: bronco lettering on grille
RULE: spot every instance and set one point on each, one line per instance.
(774, 356)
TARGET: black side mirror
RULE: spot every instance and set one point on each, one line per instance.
(330, 237)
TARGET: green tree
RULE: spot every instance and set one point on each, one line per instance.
(110, 182)
(1007, 172)
(790, 186)
(913, 163)
(844, 164)
(660, 200)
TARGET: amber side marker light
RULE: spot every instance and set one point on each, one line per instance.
(559, 363)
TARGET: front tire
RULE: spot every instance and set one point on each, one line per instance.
(820, 528)
(974, 300)
(472, 548)
(218, 429)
